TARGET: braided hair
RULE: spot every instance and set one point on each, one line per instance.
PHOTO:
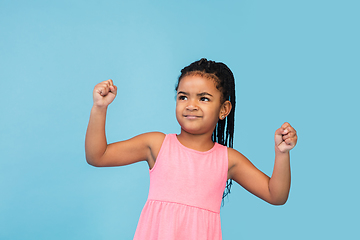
(225, 83)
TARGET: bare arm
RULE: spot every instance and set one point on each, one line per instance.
(274, 190)
(99, 153)
(95, 140)
(279, 183)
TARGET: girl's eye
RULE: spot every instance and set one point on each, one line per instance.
(182, 97)
(204, 99)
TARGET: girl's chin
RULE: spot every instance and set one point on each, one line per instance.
(192, 131)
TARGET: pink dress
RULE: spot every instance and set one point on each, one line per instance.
(186, 188)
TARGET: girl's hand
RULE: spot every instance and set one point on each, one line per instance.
(104, 93)
(285, 138)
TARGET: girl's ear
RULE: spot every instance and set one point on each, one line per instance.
(225, 110)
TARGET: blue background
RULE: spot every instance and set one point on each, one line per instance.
(295, 61)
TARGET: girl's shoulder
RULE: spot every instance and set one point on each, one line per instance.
(155, 141)
(233, 153)
(154, 138)
(155, 134)
(235, 158)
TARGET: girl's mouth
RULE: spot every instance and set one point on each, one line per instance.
(192, 116)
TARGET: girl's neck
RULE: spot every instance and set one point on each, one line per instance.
(200, 143)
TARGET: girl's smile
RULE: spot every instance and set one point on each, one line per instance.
(192, 116)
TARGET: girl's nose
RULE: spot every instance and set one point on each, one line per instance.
(191, 106)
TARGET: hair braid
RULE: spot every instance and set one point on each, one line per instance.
(225, 83)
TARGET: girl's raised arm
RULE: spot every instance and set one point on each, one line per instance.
(99, 153)
(274, 190)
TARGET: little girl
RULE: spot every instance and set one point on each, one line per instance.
(191, 172)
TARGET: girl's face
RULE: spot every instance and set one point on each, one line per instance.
(198, 105)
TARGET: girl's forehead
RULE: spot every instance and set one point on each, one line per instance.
(193, 82)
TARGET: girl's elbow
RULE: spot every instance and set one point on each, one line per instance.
(93, 162)
(278, 202)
